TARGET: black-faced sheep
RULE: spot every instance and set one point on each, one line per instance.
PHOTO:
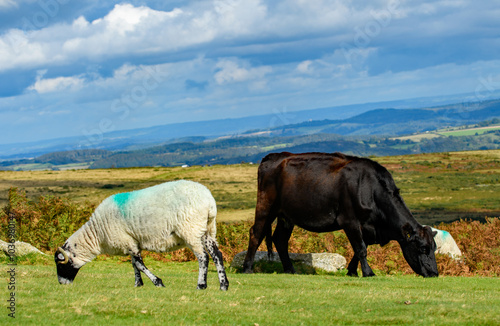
(161, 218)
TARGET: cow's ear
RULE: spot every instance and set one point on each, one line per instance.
(433, 233)
(408, 232)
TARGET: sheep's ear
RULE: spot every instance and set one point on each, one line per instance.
(434, 233)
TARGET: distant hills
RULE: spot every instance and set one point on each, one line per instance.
(393, 122)
(371, 132)
(192, 131)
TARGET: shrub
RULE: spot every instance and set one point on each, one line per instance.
(46, 224)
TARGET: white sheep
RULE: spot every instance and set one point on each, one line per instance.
(161, 218)
(445, 244)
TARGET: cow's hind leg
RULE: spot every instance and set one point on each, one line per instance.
(352, 268)
(358, 245)
(281, 236)
(264, 217)
(140, 267)
(211, 246)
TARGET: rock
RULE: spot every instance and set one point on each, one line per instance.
(20, 248)
(325, 261)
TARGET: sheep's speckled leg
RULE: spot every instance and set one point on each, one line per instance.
(137, 272)
(139, 264)
(211, 247)
(203, 269)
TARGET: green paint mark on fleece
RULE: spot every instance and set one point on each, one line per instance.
(121, 201)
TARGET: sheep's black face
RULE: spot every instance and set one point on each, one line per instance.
(66, 272)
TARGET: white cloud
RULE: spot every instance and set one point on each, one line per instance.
(303, 67)
(57, 84)
(230, 72)
(130, 30)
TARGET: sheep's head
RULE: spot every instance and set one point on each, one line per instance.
(66, 269)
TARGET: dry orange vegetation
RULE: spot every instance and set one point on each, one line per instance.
(51, 205)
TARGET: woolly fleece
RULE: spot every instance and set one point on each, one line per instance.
(161, 218)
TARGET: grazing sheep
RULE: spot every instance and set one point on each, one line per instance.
(445, 244)
(162, 218)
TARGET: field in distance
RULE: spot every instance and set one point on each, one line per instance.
(436, 187)
(452, 131)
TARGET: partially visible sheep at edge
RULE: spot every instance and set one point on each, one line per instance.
(165, 217)
(445, 244)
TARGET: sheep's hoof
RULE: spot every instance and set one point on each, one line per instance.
(201, 287)
(139, 284)
(224, 288)
(159, 283)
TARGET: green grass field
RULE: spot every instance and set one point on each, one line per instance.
(103, 293)
(469, 132)
(436, 186)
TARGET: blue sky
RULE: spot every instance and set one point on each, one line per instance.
(71, 68)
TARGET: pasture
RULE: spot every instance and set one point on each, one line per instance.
(103, 293)
(437, 187)
(456, 132)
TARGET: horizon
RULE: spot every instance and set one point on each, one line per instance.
(67, 69)
(289, 118)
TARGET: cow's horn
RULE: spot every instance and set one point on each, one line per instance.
(66, 258)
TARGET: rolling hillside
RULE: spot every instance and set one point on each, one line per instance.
(385, 118)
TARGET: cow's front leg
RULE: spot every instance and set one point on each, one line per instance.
(358, 245)
(281, 236)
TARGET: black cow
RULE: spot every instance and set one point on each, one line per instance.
(323, 192)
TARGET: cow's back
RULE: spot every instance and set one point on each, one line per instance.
(308, 167)
(304, 187)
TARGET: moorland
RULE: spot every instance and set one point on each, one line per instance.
(455, 191)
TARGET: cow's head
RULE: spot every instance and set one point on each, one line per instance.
(418, 248)
(67, 268)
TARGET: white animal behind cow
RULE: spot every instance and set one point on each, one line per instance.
(446, 245)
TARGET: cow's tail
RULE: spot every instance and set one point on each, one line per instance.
(269, 241)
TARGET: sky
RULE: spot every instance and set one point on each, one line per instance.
(80, 68)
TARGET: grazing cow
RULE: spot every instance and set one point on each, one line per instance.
(324, 192)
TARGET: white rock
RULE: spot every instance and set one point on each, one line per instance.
(20, 248)
(325, 261)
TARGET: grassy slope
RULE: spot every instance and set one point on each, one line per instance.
(103, 292)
